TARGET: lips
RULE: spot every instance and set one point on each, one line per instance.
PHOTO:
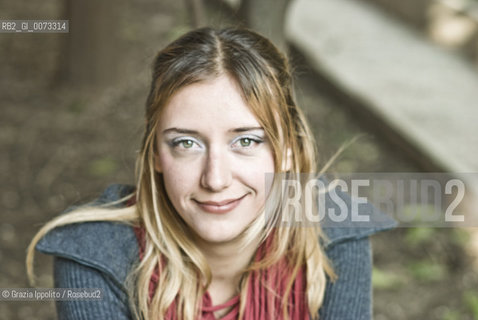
(220, 206)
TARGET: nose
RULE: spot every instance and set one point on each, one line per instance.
(217, 173)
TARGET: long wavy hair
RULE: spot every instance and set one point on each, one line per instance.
(264, 77)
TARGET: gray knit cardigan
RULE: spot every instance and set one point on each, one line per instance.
(100, 255)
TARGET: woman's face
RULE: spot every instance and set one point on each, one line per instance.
(213, 155)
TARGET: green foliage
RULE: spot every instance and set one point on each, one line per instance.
(470, 298)
(420, 213)
(460, 237)
(452, 315)
(177, 31)
(76, 106)
(103, 167)
(382, 279)
(417, 236)
(427, 271)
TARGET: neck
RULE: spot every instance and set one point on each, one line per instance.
(227, 262)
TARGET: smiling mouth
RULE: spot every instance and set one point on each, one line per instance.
(221, 206)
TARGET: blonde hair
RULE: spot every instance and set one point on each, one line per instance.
(263, 74)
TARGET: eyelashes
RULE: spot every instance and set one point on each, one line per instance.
(188, 144)
(248, 141)
(185, 143)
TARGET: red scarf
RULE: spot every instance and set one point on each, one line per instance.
(261, 303)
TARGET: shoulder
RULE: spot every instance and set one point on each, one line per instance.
(112, 248)
(347, 224)
(345, 218)
(105, 246)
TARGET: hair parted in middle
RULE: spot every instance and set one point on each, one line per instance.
(264, 77)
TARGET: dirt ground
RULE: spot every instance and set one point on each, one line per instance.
(61, 146)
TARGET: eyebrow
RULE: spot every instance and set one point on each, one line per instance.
(189, 131)
(245, 129)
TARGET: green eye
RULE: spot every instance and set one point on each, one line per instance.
(245, 142)
(187, 143)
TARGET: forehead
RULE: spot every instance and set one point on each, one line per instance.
(213, 103)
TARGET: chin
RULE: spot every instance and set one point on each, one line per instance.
(219, 237)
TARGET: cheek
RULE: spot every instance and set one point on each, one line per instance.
(259, 173)
(179, 178)
(268, 173)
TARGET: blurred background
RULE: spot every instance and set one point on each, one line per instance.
(71, 115)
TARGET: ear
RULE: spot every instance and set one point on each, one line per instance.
(287, 160)
(157, 164)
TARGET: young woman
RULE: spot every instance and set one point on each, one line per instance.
(192, 239)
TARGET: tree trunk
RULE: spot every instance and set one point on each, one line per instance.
(196, 13)
(90, 57)
(266, 17)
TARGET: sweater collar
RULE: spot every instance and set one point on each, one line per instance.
(110, 246)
